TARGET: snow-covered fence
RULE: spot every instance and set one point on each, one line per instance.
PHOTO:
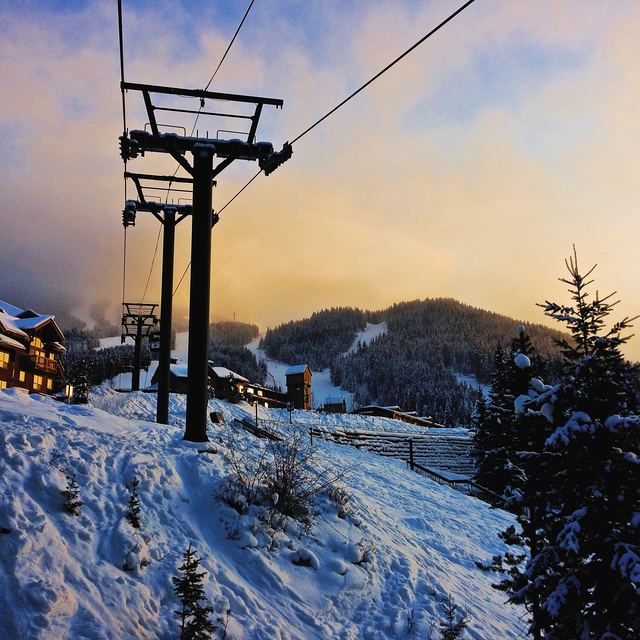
(444, 451)
(256, 430)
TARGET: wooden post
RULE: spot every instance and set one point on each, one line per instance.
(411, 453)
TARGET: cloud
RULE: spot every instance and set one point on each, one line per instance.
(469, 170)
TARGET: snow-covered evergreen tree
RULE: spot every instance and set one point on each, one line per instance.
(580, 496)
(196, 609)
(133, 506)
(501, 432)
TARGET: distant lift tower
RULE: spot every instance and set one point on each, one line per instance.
(169, 215)
(138, 322)
(202, 171)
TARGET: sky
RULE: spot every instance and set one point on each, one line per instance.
(469, 170)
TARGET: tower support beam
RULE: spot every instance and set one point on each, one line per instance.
(199, 300)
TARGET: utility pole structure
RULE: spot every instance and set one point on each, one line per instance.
(204, 150)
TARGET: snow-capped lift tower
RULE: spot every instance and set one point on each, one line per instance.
(203, 149)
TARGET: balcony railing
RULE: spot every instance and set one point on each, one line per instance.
(42, 363)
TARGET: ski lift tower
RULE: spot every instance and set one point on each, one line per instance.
(202, 171)
(138, 321)
(169, 215)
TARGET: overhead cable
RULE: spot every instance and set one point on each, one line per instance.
(391, 64)
(230, 44)
(364, 86)
(198, 115)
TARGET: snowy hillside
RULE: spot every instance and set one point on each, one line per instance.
(382, 570)
(322, 388)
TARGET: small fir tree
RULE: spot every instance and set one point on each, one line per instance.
(72, 503)
(453, 624)
(196, 609)
(133, 507)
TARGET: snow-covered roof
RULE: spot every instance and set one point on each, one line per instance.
(223, 372)
(9, 309)
(178, 370)
(20, 322)
(6, 341)
(297, 368)
(9, 325)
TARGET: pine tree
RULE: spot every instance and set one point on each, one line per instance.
(133, 507)
(72, 503)
(195, 611)
(453, 624)
(580, 495)
(501, 432)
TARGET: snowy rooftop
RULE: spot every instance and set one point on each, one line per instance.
(298, 368)
(223, 372)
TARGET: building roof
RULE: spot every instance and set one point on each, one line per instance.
(20, 323)
(178, 370)
(223, 372)
(6, 341)
(298, 368)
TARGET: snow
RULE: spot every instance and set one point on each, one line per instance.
(401, 546)
(371, 331)
(522, 361)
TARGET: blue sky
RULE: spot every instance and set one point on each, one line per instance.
(469, 170)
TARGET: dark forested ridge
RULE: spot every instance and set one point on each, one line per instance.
(414, 364)
(316, 341)
(226, 349)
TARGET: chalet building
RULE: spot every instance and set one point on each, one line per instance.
(229, 385)
(335, 404)
(30, 350)
(177, 378)
(299, 386)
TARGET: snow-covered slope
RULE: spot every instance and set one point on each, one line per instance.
(322, 388)
(383, 571)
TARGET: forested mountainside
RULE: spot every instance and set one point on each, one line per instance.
(318, 340)
(226, 349)
(236, 334)
(414, 364)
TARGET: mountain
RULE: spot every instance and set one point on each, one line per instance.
(419, 361)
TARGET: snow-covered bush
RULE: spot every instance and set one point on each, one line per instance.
(284, 476)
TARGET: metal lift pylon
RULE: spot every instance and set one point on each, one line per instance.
(204, 150)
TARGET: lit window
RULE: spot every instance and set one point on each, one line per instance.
(22, 376)
(37, 382)
(3, 384)
(49, 384)
(4, 360)
(37, 343)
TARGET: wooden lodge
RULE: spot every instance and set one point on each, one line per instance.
(335, 404)
(299, 386)
(30, 350)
